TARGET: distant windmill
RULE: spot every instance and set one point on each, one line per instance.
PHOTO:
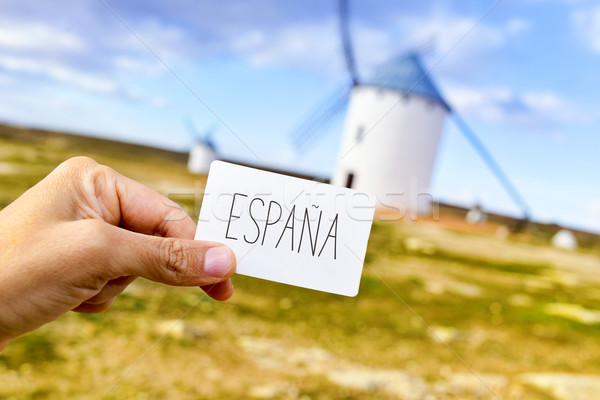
(392, 131)
(203, 151)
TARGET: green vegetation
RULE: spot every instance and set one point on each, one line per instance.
(434, 306)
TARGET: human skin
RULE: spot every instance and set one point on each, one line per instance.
(78, 238)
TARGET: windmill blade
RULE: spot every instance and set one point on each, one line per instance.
(314, 126)
(210, 132)
(191, 129)
(346, 42)
(426, 47)
(493, 165)
(196, 134)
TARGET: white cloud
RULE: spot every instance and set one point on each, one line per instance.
(517, 26)
(453, 33)
(299, 42)
(95, 59)
(165, 40)
(315, 45)
(58, 73)
(130, 63)
(503, 105)
(39, 37)
(586, 23)
(461, 40)
(61, 73)
(554, 108)
(153, 100)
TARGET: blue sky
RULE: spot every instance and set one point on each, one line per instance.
(525, 78)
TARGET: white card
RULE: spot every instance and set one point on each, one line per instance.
(286, 229)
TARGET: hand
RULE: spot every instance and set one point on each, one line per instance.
(78, 238)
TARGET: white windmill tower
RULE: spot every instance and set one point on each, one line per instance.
(393, 126)
(203, 151)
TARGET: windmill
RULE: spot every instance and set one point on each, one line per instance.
(203, 151)
(393, 126)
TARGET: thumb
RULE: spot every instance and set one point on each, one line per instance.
(173, 261)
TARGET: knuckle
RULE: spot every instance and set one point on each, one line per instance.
(174, 258)
(98, 175)
(99, 178)
(79, 163)
(99, 171)
(88, 170)
(74, 174)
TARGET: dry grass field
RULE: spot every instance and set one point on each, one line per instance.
(441, 314)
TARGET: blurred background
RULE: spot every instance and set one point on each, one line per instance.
(466, 303)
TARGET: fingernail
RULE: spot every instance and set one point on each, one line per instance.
(218, 261)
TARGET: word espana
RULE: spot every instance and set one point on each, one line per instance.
(272, 225)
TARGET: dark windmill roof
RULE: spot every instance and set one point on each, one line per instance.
(207, 141)
(406, 74)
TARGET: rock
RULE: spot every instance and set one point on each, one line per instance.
(455, 287)
(502, 232)
(274, 390)
(434, 287)
(537, 284)
(273, 354)
(574, 312)
(520, 300)
(476, 216)
(179, 330)
(8, 168)
(562, 278)
(419, 245)
(564, 386)
(478, 385)
(267, 353)
(465, 289)
(264, 392)
(395, 382)
(446, 334)
(564, 239)
(313, 359)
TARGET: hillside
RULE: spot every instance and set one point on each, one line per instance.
(443, 312)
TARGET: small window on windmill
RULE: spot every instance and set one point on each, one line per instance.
(405, 97)
(430, 104)
(360, 133)
(380, 93)
(349, 180)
